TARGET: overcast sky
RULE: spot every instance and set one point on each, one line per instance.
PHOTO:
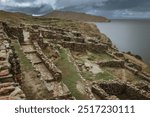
(108, 8)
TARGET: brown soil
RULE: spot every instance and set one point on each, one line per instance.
(33, 87)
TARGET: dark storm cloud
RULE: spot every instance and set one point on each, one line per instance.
(136, 5)
(21, 1)
(108, 8)
(27, 6)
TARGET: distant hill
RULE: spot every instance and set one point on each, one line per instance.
(13, 18)
(77, 16)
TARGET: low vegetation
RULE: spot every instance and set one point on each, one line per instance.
(98, 56)
(69, 73)
(25, 63)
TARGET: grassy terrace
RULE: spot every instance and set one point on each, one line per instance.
(25, 63)
(104, 76)
(98, 56)
(100, 76)
(95, 57)
(70, 74)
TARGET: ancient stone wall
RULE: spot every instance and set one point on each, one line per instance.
(143, 76)
(99, 91)
(112, 63)
(34, 35)
(14, 32)
(138, 73)
(133, 65)
(113, 88)
(106, 89)
(10, 72)
(134, 93)
(82, 47)
(56, 73)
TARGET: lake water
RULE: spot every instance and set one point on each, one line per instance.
(129, 35)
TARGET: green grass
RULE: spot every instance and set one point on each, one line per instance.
(104, 76)
(70, 74)
(88, 76)
(100, 76)
(99, 56)
(25, 63)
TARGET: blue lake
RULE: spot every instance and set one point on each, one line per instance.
(129, 35)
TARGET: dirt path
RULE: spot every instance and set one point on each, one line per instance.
(34, 88)
(124, 75)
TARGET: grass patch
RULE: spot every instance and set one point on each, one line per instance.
(25, 63)
(98, 56)
(100, 76)
(88, 76)
(70, 74)
(104, 76)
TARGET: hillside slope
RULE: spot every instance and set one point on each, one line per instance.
(77, 16)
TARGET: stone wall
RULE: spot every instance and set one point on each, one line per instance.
(134, 93)
(113, 88)
(99, 91)
(10, 71)
(82, 47)
(15, 66)
(11, 91)
(106, 89)
(112, 63)
(138, 73)
(69, 39)
(56, 73)
(133, 65)
(74, 46)
(143, 76)
(34, 35)
(14, 32)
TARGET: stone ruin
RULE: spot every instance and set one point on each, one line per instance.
(112, 63)
(119, 90)
(10, 71)
(78, 42)
(56, 73)
(10, 86)
(68, 39)
(120, 62)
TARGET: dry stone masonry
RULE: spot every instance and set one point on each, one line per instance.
(10, 71)
(120, 89)
(38, 38)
